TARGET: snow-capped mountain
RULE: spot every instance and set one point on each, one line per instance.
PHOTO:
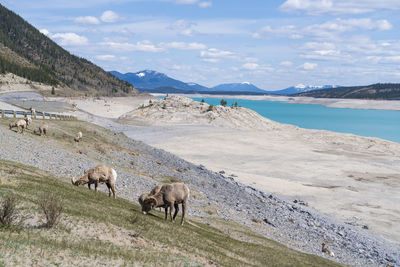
(156, 81)
(301, 88)
(237, 87)
(151, 79)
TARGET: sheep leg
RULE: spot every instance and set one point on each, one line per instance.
(170, 211)
(109, 189)
(176, 206)
(95, 186)
(183, 211)
(166, 212)
(89, 185)
(114, 191)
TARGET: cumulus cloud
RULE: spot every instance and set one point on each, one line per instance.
(184, 46)
(320, 7)
(328, 30)
(211, 60)
(182, 27)
(110, 16)
(204, 4)
(216, 53)
(250, 66)
(144, 46)
(308, 66)
(105, 57)
(44, 31)
(87, 20)
(70, 39)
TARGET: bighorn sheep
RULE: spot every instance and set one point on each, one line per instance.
(78, 137)
(28, 121)
(154, 191)
(169, 195)
(96, 175)
(19, 124)
(33, 112)
(42, 129)
(327, 250)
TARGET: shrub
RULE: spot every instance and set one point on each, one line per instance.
(210, 108)
(8, 211)
(52, 208)
(223, 102)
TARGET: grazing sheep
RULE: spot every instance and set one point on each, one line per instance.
(78, 137)
(169, 195)
(28, 121)
(154, 191)
(42, 130)
(19, 124)
(327, 250)
(33, 112)
(96, 175)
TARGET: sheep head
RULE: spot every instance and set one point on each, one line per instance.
(148, 204)
(142, 199)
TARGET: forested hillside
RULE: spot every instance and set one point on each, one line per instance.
(28, 53)
(389, 91)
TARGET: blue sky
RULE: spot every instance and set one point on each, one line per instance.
(272, 44)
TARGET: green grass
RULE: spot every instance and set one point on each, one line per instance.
(162, 242)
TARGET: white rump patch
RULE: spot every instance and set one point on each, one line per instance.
(114, 173)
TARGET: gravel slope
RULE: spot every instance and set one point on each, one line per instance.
(293, 224)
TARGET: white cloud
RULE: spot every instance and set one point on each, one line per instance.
(327, 30)
(308, 66)
(205, 4)
(70, 39)
(286, 63)
(216, 53)
(144, 46)
(184, 46)
(44, 31)
(250, 66)
(183, 27)
(105, 57)
(87, 20)
(110, 16)
(211, 60)
(320, 7)
(202, 4)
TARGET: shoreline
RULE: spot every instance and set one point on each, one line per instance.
(327, 102)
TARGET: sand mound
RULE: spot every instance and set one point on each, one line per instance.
(180, 109)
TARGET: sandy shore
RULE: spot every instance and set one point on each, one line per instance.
(352, 178)
(328, 102)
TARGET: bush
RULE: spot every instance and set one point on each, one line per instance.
(210, 108)
(52, 208)
(223, 102)
(8, 211)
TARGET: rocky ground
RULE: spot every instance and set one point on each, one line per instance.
(140, 167)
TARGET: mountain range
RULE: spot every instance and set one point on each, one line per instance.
(156, 82)
(28, 53)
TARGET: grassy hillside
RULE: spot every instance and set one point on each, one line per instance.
(389, 91)
(96, 229)
(28, 53)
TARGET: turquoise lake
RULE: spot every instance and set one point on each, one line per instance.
(383, 124)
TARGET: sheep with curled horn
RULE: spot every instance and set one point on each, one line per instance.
(78, 137)
(99, 174)
(154, 191)
(170, 195)
(28, 121)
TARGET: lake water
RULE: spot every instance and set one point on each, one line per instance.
(383, 124)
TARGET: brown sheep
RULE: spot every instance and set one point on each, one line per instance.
(42, 130)
(96, 175)
(327, 250)
(169, 195)
(78, 137)
(154, 191)
(19, 124)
